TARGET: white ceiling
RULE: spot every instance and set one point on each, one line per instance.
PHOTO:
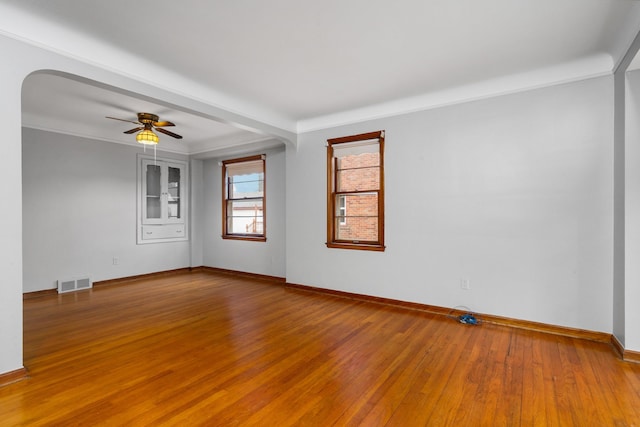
(302, 65)
(64, 105)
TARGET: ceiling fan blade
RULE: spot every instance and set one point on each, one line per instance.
(123, 120)
(162, 124)
(133, 130)
(166, 132)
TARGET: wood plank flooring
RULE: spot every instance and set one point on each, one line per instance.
(217, 350)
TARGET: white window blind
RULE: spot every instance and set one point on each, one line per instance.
(244, 168)
(356, 148)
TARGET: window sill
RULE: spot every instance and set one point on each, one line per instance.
(356, 246)
(247, 238)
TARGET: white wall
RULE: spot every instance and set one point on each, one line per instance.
(26, 59)
(79, 212)
(513, 193)
(196, 212)
(266, 258)
(632, 214)
(11, 75)
(619, 206)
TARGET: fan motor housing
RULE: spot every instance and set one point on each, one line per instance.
(146, 118)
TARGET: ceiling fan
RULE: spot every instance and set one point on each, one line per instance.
(149, 123)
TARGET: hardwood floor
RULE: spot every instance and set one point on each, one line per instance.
(217, 350)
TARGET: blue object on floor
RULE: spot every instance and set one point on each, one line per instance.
(468, 319)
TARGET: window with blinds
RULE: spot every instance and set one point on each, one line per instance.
(243, 194)
(355, 192)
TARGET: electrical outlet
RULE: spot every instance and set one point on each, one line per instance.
(465, 284)
(116, 260)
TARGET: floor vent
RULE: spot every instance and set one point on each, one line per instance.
(71, 285)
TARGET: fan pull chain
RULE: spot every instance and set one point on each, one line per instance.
(155, 159)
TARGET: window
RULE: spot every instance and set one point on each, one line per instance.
(355, 192)
(243, 198)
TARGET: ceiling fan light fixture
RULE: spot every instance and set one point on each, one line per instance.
(147, 137)
(147, 123)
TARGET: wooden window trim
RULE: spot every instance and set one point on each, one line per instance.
(238, 236)
(331, 207)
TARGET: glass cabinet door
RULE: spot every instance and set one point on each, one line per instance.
(153, 194)
(162, 198)
(173, 193)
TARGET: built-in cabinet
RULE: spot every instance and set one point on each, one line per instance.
(162, 204)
